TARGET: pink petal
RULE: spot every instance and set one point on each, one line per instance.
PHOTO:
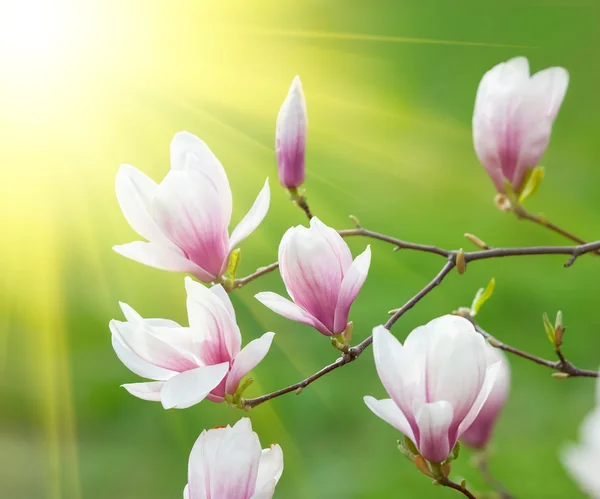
(190, 387)
(207, 312)
(163, 258)
(247, 360)
(434, 420)
(354, 278)
(387, 410)
(253, 218)
(490, 378)
(146, 391)
(187, 210)
(290, 310)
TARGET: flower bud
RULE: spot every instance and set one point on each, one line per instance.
(290, 137)
(479, 433)
(321, 278)
(513, 119)
(438, 381)
(228, 463)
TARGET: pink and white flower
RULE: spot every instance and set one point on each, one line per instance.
(513, 118)
(228, 463)
(186, 217)
(438, 381)
(191, 363)
(480, 432)
(583, 459)
(290, 137)
(319, 275)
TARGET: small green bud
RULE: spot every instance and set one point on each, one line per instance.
(532, 183)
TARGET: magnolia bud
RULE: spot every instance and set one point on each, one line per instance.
(290, 137)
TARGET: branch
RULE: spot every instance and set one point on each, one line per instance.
(446, 482)
(523, 214)
(353, 353)
(573, 251)
(481, 461)
(562, 365)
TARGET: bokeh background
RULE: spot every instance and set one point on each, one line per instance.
(87, 85)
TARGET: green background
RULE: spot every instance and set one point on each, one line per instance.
(390, 87)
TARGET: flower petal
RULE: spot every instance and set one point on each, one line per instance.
(163, 258)
(253, 218)
(387, 410)
(190, 387)
(190, 152)
(270, 468)
(354, 278)
(186, 492)
(247, 360)
(135, 363)
(135, 191)
(434, 420)
(290, 310)
(146, 391)
(187, 209)
(207, 312)
(266, 491)
(222, 295)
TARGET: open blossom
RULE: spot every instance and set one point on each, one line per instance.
(191, 363)
(479, 433)
(513, 119)
(228, 463)
(583, 460)
(321, 278)
(290, 137)
(438, 381)
(186, 217)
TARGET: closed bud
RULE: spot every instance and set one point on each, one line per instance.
(290, 137)
(513, 118)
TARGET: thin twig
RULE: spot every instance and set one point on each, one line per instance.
(523, 214)
(562, 365)
(446, 482)
(353, 353)
(481, 461)
(255, 275)
(301, 202)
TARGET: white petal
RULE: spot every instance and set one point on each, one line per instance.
(550, 86)
(247, 360)
(220, 293)
(490, 378)
(146, 391)
(336, 242)
(189, 152)
(434, 420)
(162, 257)
(135, 191)
(353, 281)
(290, 310)
(136, 364)
(190, 387)
(266, 491)
(270, 467)
(207, 312)
(202, 458)
(389, 358)
(186, 492)
(387, 410)
(253, 218)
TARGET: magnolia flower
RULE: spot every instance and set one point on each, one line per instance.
(228, 463)
(438, 381)
(290, 137)
(513, 119)
(186, 217)
(319, 274)
(191, 363)
(479, 433)
(582, 460)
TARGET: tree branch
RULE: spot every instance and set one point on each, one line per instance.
(562, 365)
(446, 482)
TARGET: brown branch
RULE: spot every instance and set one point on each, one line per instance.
(522, 214)
(573, 251)
(446, 482)
(562, 365)
(353, 353)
